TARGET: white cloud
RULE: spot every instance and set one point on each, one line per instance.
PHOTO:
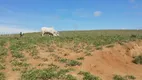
(97, 13)
(10, 30)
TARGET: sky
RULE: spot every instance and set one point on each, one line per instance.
(31, 15)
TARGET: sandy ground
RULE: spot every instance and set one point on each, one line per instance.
(103, 63)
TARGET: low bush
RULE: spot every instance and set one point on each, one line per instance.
(127, 77)
(137, 60)
(2, 76)
(88, 76)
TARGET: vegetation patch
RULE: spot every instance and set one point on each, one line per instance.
(133, 36)
(63, 60)
(19, 63)
(16, 69)
(47, 74)
(137, 60)
(87, 53)
(73, 63)
(109, 46)
(99, 48)
(70, 62)
(51, 49)
(127, 77)
(80, 41)
(2, 60)
(80, 58)
(3, 51)
(67, 61)
(88, 76)
(17, 55)
(33, 52)
(53, 65)
(2, 66)
(2, 42)
(2, 76)
(41, 64)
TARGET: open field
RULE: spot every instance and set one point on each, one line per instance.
(75, 55)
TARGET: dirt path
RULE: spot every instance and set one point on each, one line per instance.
(10, 74)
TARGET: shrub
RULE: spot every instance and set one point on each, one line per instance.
(80, 58)
(53, 65)
(3, 51)
(69, 62)
(17, 55)
(137, 60)
(2, 60)
(73, 63)
(127, 77)
(118, 77)
(41, 64)
(130, 77)
(70, 77)
(2, 76)
(16, 69)
(63, 60)
(99, 48)
(2, 66)
(133, 36)
(2, 42)
(88, 54)
(88, 76)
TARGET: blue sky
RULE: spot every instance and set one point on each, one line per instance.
(31, 15)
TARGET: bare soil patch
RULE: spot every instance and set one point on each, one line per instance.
(103, 63)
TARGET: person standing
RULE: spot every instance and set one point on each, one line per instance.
(21, 34)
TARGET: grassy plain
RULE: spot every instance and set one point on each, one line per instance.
(33, 57)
